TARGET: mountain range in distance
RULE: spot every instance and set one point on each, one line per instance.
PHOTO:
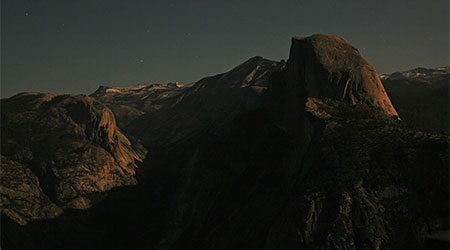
(417, 94)
(421, 97)
(419, 74)
(318, 152)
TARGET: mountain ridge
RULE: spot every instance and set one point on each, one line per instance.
(421, 74)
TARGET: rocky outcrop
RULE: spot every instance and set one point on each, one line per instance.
(22, 198)
(65, 149)
(175, 84)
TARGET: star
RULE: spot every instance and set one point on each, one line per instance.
(27, 13)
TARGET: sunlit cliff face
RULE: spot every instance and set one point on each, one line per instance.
(327, 66)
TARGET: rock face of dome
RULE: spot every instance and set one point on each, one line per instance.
(327, 66)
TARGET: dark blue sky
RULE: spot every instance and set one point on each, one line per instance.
(75, 46)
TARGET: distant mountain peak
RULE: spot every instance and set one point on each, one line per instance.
(419, 74)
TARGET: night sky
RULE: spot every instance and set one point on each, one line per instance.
(74, 46)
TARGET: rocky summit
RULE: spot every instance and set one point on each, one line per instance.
(327, 66)
(304, 154)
